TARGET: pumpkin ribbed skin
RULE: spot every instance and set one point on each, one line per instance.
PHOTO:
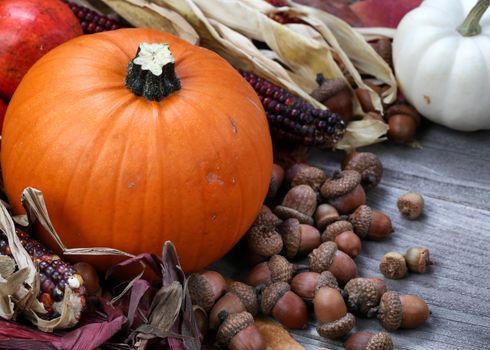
(119, 171)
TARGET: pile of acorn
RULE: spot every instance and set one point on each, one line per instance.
(324, 219)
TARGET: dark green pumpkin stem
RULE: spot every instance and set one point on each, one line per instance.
(471, 25)
(151, 73)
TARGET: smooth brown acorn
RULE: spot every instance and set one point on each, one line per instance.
(300, 203)
(371, 224)
(205, 288)
(341, 232)
(284, 305)
(331, 313)
(418, 259)
(344, 191)
(305, 284)
(298, 239)
(276, 269)
(325, 214)
(238, 332)
(90, 277)
(327, 257)
(277, 179)
(239, 297)
(369, 341)
(336, 95)
(403, 121)
(367, 164)
(393, 265)
(402, 311)
(363, 295)
(411, 205)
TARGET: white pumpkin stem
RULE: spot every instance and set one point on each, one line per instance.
(151, 73)
(471, 25)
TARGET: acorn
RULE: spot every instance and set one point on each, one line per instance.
(363, 295)
(328, 257)
(402, 311)
(90, 277)
(410, 205)
(309, 175)
(205, 288)
(371, 224)
(344, 191)
(403, 121)
(284, 305)
(276, 269)
(305, 284)
(238, 332)
(336, 95)
(367, 164)
(201, 318)
(341, 232)
(264, 243)
(325, 214)
(298, 239)
(393, 265)
(300, 203)
(418, 258)
(239, 297)
(331, 313)
(277, 179)
(369, 341)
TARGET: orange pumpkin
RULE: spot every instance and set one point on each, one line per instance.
(124, 171)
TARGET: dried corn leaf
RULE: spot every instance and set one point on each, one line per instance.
(275, 336)
(375, 33)
(362, 55)
(361, 133)
(145, 14)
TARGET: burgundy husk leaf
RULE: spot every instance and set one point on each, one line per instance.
(17, 336)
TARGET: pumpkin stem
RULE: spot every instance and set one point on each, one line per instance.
(151, 73)
(471, 25)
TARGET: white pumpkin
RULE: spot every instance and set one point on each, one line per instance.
(443, 67)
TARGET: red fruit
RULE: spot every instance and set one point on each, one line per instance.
(383, 13)
(28, 30)
(3, 109)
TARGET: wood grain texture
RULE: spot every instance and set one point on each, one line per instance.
(452, 172)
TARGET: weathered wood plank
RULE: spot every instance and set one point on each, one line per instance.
(452, 172)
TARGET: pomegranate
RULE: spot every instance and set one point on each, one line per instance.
(3, 109)
(28, 30)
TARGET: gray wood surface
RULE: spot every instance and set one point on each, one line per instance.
(452, 172)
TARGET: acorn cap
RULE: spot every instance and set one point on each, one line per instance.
(393, 265)
(233, 324)
(335, 229)
(361, 220)
(291, 237)
(311, 176)
(321, 258)
(380, 341)
(368, 165)
(404, 109)
(281, 269)
(341, 183)
(266, 219)
(342, 326)
(246, 294)
(200, 291)
(390, 311)
(271, 295)
(362, 296)
(327, 279)
(264, 242)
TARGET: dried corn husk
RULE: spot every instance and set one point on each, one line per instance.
(298, 52)
(19, 289)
